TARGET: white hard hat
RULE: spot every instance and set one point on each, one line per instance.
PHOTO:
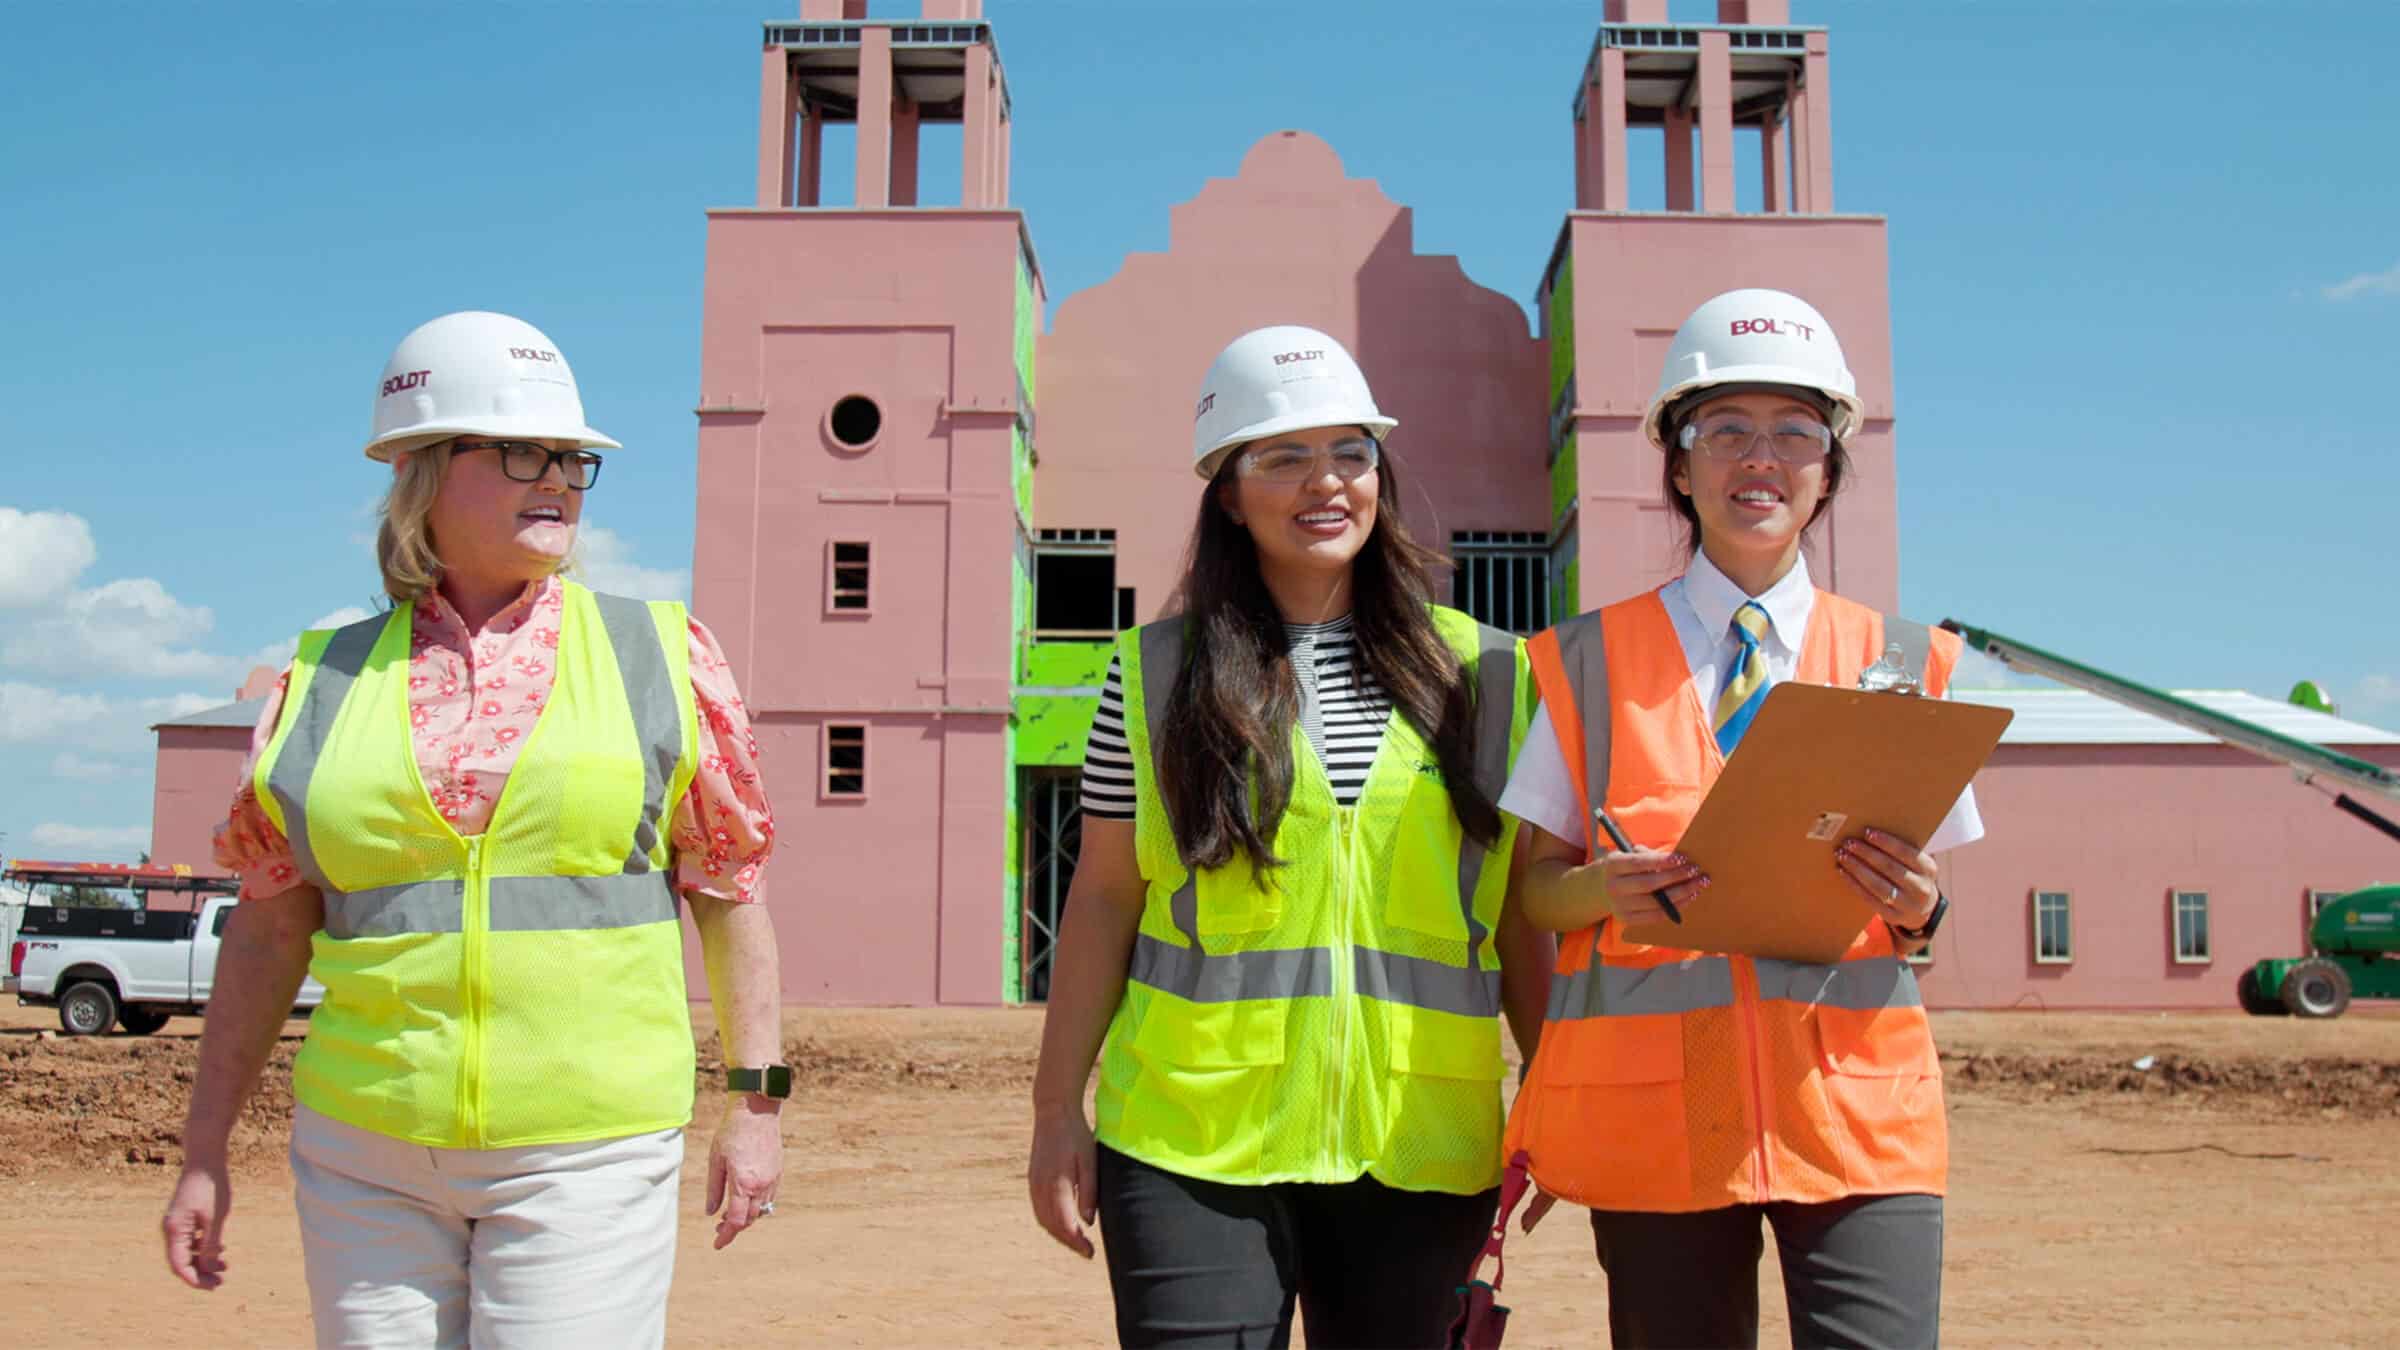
(475, 373)
(1755, 337)
(1272, 380)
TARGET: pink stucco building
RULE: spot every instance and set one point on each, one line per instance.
(921, 518)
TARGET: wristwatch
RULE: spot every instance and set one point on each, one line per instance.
(773, 1080)
(1941, 906)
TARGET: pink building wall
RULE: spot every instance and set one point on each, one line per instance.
(1455, 362)
(198, 770)
(2118, 828)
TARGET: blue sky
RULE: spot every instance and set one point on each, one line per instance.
(2144, 279)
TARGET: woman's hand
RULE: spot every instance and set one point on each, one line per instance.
(1063, 1177)
(1891, 874)
(1629, 881)
(194, 1225)
(745, 1166)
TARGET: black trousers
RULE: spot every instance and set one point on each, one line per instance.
(1202, 1263)
(1865, 1271)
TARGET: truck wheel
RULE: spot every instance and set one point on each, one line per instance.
(88, 1009)
(2246, 992)
(141, 1021)
(2316, 988)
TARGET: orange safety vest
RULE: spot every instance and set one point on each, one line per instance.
(1674, 1081)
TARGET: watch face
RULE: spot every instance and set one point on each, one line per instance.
(779, 1080)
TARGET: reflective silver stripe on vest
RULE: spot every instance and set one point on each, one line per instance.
(1392, 978)
(1916, 646)
(559, 904)
(1204, 977)
(657, 722)
(1583, 651)
(1638, 991)
(518, 905)
(392, 911)
(1495, 716)
(1864, 984)
(343, 661)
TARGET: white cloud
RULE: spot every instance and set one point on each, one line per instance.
(2378, 691)
(90, 843)
(30, 712)
(2385, 282)
(41, 554)
(38, 715)
(83, 769)
(130, 626)
(604, 562)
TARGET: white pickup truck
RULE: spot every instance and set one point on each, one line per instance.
(132, 968)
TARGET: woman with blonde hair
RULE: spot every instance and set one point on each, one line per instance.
(475, 820)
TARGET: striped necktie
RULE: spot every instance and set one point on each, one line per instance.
(1747, 688)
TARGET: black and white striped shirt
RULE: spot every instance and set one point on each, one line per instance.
(1344, 721)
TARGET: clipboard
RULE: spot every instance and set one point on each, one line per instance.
(1818, 765)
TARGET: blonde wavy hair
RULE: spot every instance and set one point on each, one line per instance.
(404, 546)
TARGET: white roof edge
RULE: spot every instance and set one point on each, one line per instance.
(2054, 716)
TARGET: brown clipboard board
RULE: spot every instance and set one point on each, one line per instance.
(1817, 766)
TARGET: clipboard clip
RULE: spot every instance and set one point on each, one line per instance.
(1890, 674)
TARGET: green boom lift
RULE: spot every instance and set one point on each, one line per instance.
(2356, 938)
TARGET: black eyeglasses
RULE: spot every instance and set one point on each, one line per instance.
(530, 461)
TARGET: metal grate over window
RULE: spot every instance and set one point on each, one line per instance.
(1053, 833)
(850, 575)
(1502, 578)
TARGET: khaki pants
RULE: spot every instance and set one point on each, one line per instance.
(502, 1249)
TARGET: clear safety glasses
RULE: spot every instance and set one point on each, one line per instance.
(1795, 438)
(1347, 460)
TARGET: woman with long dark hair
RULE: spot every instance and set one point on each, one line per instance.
(1285, 943)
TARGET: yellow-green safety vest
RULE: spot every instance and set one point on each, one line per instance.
(524, 985)
(1341, 1017)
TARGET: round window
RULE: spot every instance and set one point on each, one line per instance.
(855, 421)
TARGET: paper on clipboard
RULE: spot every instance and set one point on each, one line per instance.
(1818, 765)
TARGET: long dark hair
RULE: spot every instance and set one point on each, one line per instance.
(1225, 769)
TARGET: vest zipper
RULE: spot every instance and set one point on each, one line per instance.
(475, 924)
(1745, 997)
(1345, 963)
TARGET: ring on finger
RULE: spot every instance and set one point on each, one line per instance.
(765, 1208)
(1895, 895)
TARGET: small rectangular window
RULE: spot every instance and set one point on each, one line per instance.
(2190, 911)
(2318, 900)
(2053, 928)
(846, 576)
(217, 927)
(1075, 591)
(845, 761)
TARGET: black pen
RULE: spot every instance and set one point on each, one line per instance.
(1625, 845)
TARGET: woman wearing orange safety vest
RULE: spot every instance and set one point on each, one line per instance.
(1284, 943)
(1685, 1097)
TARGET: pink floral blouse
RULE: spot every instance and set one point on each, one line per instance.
(473, 698)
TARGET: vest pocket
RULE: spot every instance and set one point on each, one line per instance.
(1231, 900)
(1615, 1051)
(1439, 1045)
(1421, 887)
(1243, 1034)
(1887, 1043)
(599, 788)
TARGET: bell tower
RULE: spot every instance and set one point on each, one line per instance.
(1621, 280)
(865, 478)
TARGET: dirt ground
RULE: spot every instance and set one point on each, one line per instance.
(2238, 1190)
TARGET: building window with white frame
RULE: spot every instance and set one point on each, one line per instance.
(845, 761)
(1076, 597)
(2190, 917)
(2053, 928)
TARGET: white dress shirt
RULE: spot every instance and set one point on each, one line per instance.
(1701, 604)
